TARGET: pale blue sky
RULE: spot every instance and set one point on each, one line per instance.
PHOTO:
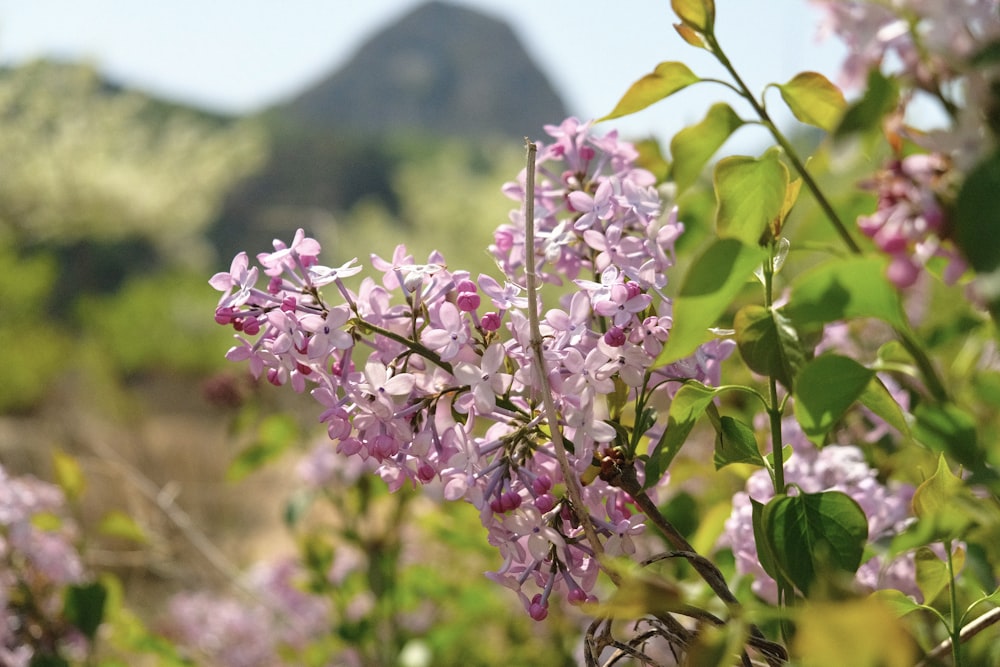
(242, 55)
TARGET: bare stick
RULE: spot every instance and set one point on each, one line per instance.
(968, 632)
(573, 487)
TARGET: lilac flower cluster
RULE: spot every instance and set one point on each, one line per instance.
(832, 468)
(910, 223)
(38, 559)
(932, 48)
(930, 41)
(429, 373)
(233, 632)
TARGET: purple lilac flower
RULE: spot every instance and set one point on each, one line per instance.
(37, 563)
(910, 223)
(238, 632)
(413, 383)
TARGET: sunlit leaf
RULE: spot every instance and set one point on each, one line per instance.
(876, 397)
(640, 591)
(692, 147)
(845, 288)
(751, 195)
(715, 645)
(686, 408)
(691, 36)
(736, 443)
(651, 159)
(862, 632)
(697, 14)
(898, 602)
(791, 196)
(275, 435)
(712, 282)
(768, 343)
(664, 81)
(826, 387)
(814, 100)
(815, 536)
(941, 502)
(119, 524)
(933, 576)
(69, 475)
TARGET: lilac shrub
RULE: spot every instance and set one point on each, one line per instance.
(559, 421)
(38, 561)
(429, 372)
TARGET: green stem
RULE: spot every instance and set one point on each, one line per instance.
(934, 383)
(411, 343)
(956, 621)
(790, 151)
(773, 409)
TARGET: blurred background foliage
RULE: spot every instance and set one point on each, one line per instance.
(115, 208)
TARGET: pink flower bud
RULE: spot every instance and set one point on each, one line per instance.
(541, 484)
(615, 337)
(251, 326)
(467, 302)
(490, 322)
(538, 609)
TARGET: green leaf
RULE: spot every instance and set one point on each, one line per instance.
(876, 397)
(69, 475)
(859, 632)
(880, 98)
(275, 435)
(641, 591)
(943, 503)
(845, 288)
(664, 81)
(710, 285)
(119, 524)
(898, 602)
(814, 100)
(692, 147)
(736, 443)
(976, 213)
(652, 160)
(696, 14)
(815, 536)
(751, 195)
(768, 343)
(933, 576)
(949, 429)
(765, 549)
(686, 408)
(826, 387)
(715, 645)
(84, 607)
(691, 36)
